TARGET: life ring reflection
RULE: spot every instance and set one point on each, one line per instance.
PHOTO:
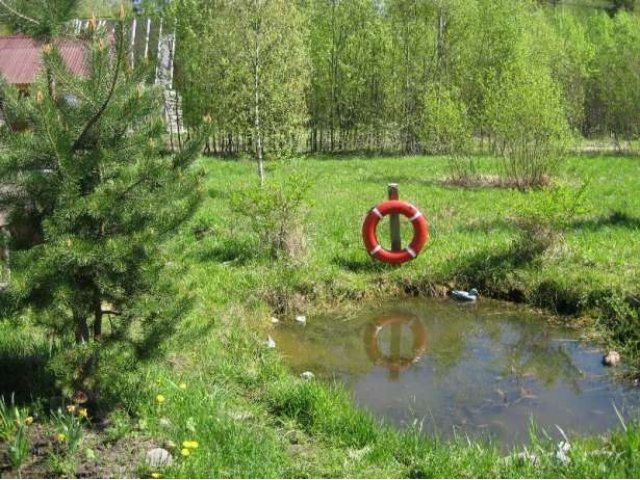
(395, 362)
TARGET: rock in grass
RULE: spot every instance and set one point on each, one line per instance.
(274, 320)
(302, 319)
(307, 375)
(561, 452)
(158, 458)
(270, 343)
(611, 359)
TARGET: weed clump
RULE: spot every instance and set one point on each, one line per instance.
(276, 212)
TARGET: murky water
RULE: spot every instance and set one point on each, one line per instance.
(483, 370)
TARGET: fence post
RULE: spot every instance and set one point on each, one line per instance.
(394, 220)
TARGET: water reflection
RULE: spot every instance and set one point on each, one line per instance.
(485, 370)
(403, 330)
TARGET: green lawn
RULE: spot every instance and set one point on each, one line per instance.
(252, 418)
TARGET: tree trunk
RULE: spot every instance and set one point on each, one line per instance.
(97, 320)
(256, 86)
(82, 329)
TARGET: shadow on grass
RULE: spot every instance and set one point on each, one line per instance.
(614, 219)
(25, 374)
(228, 251)
(489, 271)
(360, 265)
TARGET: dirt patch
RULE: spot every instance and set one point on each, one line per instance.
(95, 458)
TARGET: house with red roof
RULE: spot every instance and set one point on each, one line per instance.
(21, 58)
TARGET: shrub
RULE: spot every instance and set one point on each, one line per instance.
(276, 212)
(543, 217)
(530, 132)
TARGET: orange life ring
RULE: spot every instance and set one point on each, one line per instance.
(395, 364)
(420, 231)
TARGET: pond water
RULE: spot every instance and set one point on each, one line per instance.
(482, 370)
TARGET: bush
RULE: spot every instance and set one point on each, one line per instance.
(276, 213)
(543, 217)
(527, 120)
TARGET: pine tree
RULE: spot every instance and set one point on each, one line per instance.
(88, 176)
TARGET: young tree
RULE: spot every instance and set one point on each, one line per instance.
(258, 52)
(88, 174)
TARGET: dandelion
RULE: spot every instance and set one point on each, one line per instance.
(156, 475)
(83, 413)
(185, 452)
(61, 438)
(159, 398)
(28, 420)
(191, 444)
(183, 386)
(71, 408)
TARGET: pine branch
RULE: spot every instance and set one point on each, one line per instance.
(112, 88)
(18, 14)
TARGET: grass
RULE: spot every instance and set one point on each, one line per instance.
(250, 417)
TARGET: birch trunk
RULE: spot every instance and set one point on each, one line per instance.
(256, 86)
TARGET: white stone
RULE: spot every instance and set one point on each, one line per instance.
(307, 375)
(561, 452)
(274, 320)
(611, 359)
(270, 343)
(301, 319)
(158, 458)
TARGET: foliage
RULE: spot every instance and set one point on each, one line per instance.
(527, 121)
(276, 212)
(252, 77)
(446, 129)
(360, 71)
(544, 217)
(14, 425)
(68, 427)
(89, 179)
(614, 102)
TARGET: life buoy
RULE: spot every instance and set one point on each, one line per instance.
(397, 364)
(420, 231)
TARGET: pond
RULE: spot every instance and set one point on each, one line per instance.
(484, 370)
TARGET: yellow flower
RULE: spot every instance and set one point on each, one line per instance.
(83, 413)
(156, 475)
(190, 444)
(71, 408)
(159, 398)
(185, 452)
(183, 386)
(61, 437)
(28, 420)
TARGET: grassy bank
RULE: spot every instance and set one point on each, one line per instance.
(219, 387)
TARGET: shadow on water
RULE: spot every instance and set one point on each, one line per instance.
(484, 369)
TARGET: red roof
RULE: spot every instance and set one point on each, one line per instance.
(20, 57)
